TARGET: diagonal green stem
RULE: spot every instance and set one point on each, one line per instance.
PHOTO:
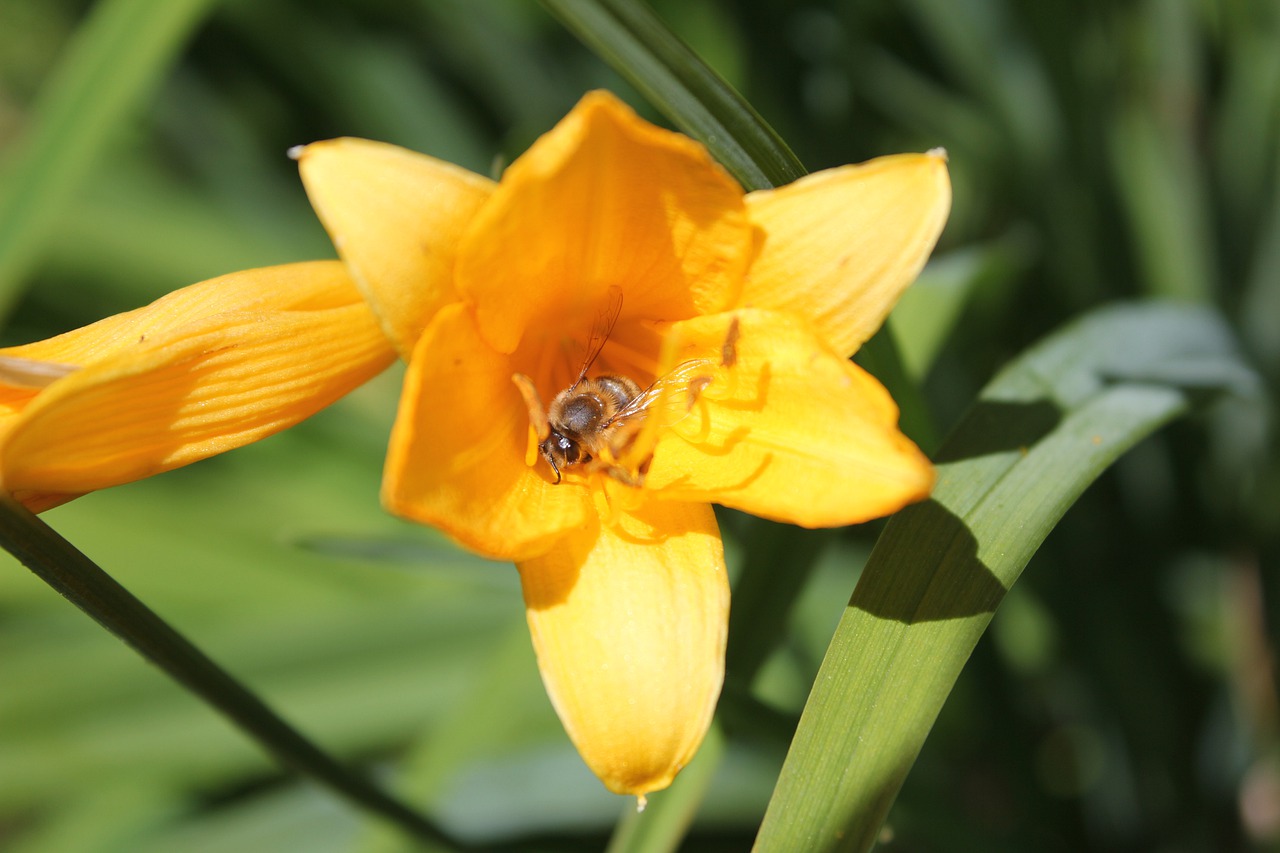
(77, 578)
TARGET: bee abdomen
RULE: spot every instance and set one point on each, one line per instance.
(622, 389)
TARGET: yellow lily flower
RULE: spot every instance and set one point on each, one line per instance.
(612, 234)
(205, 369)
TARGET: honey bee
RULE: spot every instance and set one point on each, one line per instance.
(592, 423)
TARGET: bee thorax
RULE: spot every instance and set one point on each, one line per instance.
(581, 414)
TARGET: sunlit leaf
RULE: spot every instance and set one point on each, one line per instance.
(1038, 435)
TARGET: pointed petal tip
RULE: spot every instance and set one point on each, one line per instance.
(208, 368)
(793, 432)
(395, 217)
(938, 153)
(305, 150)
(841, 245)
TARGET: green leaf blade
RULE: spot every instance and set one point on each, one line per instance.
(1041, 432)
(639, 46)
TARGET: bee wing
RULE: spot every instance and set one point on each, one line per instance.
(601, 329)
(672, 396)
(635, 428)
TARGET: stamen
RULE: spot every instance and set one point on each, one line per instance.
(729, 349)
(537, 414)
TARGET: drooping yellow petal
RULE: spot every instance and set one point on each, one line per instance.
(169, 384)
(841, 245)
(629, 624)
(457, 454)
(791, 431)
(605, 199)
(396, 218)
(310, 286)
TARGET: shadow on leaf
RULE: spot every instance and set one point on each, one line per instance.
(998, 426)
(947, 581)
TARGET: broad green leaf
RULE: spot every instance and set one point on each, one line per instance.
(114, 61)
(1038, 435)
(640, 47)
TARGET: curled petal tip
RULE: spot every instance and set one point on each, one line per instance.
(296, 152)
(939, 152)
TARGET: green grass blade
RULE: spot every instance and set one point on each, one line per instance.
(640, 47)
(114, 60)
(58, 563)
(1039, 434)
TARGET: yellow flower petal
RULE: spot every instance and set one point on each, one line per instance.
(206, 369)
(291, 287)
(396, 218)
(629, 624)
(457, 455)
(792, 431)
(604, 199)
(840, 246)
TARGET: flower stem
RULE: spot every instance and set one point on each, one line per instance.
(78, 579)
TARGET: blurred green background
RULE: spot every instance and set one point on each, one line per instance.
(1124, 697)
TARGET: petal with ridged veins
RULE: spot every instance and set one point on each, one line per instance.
(205, 369)
(457, 456)
(629, 617)
(603, 200)
(841, 245)
(396, 218)
(791, 430)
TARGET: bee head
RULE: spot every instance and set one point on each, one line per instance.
(559, 449)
